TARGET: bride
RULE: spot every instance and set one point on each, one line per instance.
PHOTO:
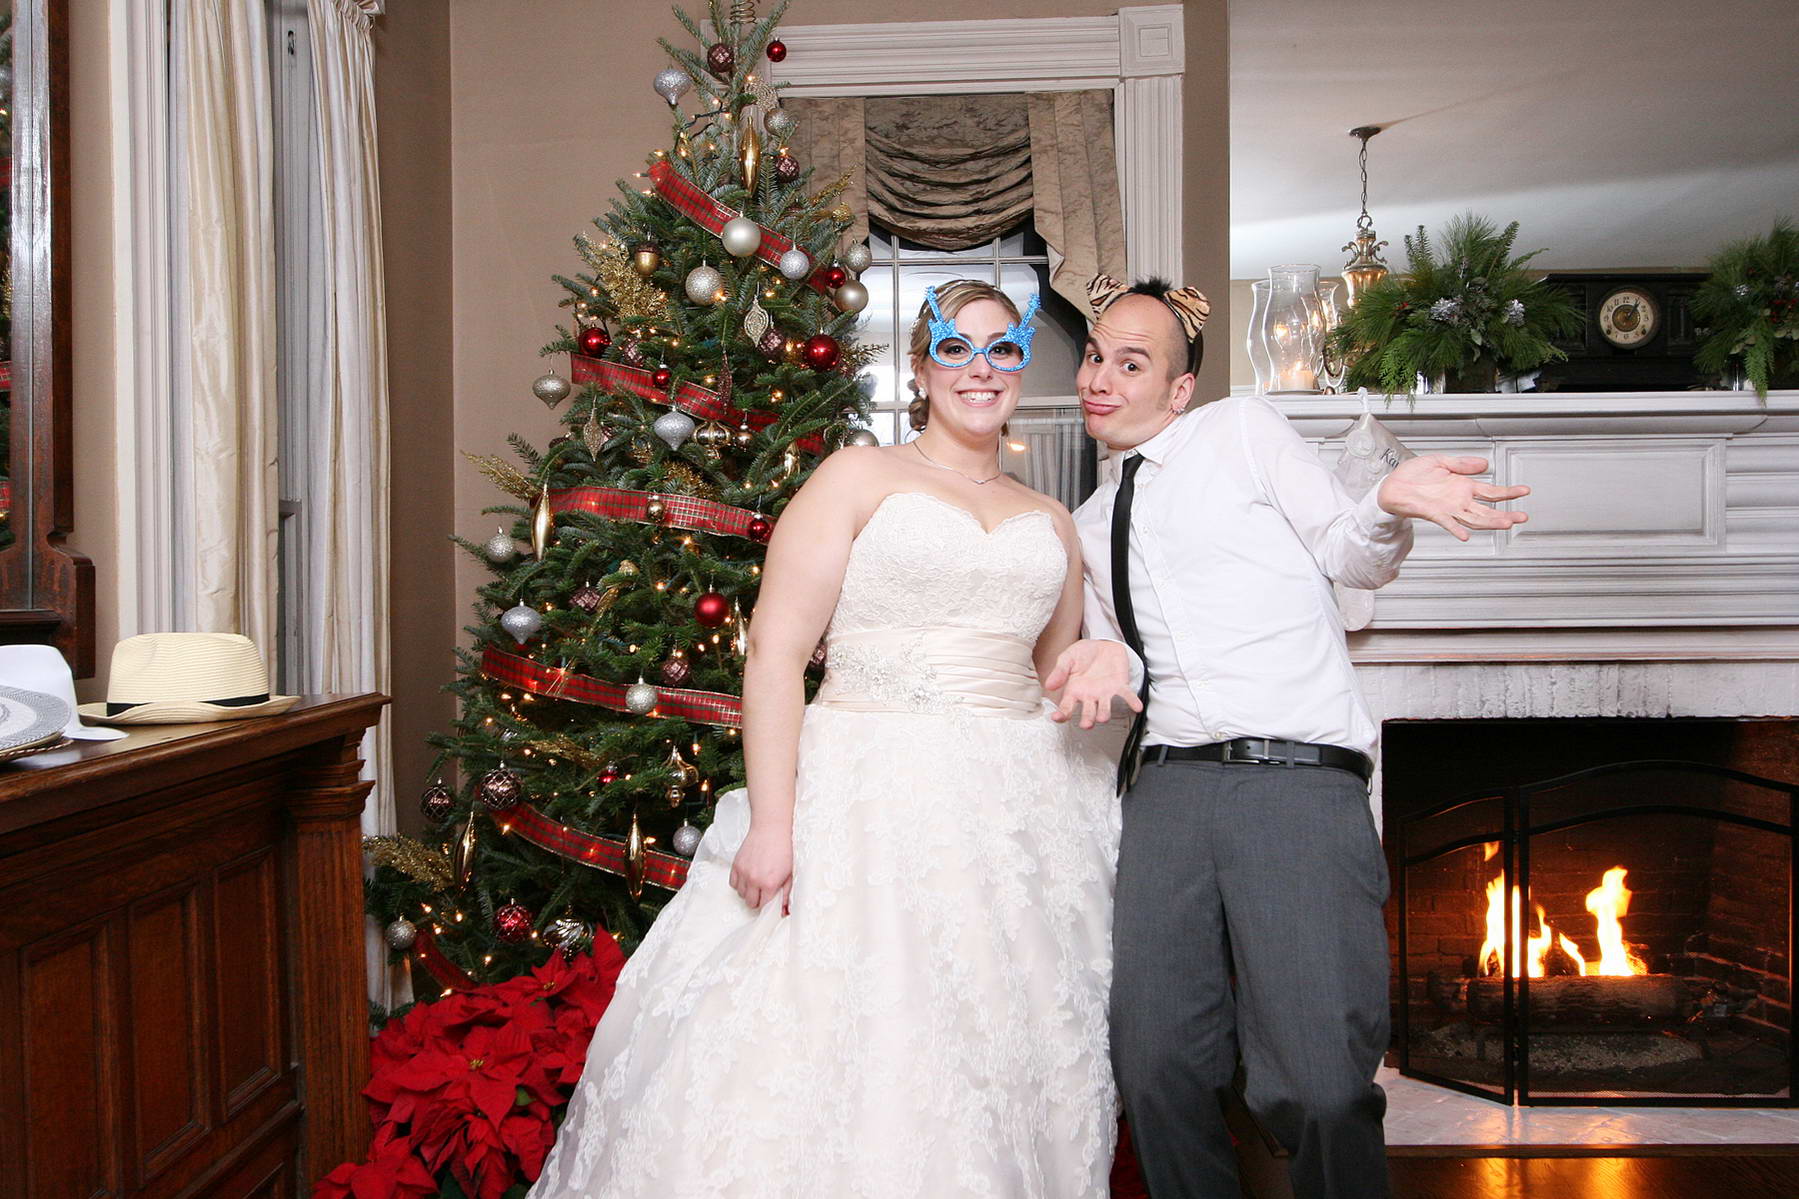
(886, 975)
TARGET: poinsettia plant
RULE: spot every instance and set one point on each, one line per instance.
(1749, 310)
(1465, 311)
(467, 1090)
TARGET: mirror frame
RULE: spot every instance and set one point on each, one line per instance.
(46, 588)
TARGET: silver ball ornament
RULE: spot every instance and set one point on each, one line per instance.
(552, 388)
(741, 236)
(867, 385)
(851, 297)
(795, 264)
(858, 258)
(781, 123)
(672, 84)
(640, 698)
(521, 622)
(400, 934)
(704, 284)
(570, 935)
(861, 437)
(500, 548)
(674, 428)
(685, 840)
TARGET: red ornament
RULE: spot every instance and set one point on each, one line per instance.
(437, 803)
(761, 528)
(661, 377)
(712, 609)
(836, 277)
(721, 60)
(593, 339)
(777, 50)
(608, 776)
(821, 352)
(773, 344)
(512, 923)
(676, 671)
(500, 789)
(787, 167)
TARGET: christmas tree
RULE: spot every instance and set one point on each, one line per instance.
(710, 364)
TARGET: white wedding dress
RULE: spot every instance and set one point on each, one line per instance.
(930, 1021)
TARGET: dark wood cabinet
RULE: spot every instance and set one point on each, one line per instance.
(182, 1000)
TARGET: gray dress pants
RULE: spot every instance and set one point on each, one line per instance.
(1275, 874)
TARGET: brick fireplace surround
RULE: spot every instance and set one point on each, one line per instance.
(1657, 579)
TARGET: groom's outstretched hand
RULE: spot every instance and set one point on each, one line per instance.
(1438, 489)
(1090, 675)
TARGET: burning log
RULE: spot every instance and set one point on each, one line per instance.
(1590, 1001)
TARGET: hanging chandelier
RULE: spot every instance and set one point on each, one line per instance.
(1365, 266)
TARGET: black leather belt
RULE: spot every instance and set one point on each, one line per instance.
(1264, 751)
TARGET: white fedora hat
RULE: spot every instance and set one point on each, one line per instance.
(42, 668)
(177, 678)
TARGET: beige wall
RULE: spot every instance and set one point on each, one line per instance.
(412, 100)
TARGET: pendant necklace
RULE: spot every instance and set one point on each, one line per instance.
(940, 466)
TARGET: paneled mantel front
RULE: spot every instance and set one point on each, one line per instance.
(1658, 574)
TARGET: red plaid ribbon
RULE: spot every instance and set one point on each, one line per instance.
(690, 398)
(447, 973)
(685, 197)
(663, 870)
(681, 511)
(672, 703)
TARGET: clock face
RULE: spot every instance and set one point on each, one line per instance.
(1628, 317)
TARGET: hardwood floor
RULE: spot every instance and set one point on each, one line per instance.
(1716, 1175)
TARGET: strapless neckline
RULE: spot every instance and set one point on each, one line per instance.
(940, 501)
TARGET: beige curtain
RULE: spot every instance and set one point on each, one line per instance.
(1074, 171)
(348, 616)
(955, 171)
(230, 299)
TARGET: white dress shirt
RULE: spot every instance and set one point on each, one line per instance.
(1237, 530)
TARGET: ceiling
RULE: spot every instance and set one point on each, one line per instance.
(1630, 134)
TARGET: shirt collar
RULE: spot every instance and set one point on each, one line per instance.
(1156, 450)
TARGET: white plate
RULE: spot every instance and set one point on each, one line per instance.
(29, 718)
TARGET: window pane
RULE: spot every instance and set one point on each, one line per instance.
(1030, 244)
(1012, 244)
(877, 332)
(880, 244)
(1050, 451)
(1061, 332)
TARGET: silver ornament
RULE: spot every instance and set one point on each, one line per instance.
(500, 548)
(741, 236)
(858, 258)
(713, 434)
(401, 934)
(781, 123)
(521, 621)
(796, 264)
(851, 297)
(685, 840)
(672, 84)
(861, 437)
(674, 428)
(570, 935)
(640, 698)
(704, 284)
(867, 385)
(552, 388)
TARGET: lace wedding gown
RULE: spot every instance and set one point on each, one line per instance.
(930, 1021)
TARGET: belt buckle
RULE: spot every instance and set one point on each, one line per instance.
(1233, 756)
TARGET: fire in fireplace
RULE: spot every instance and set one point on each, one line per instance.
(1616, 934)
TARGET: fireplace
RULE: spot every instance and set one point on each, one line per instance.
(1598, 912)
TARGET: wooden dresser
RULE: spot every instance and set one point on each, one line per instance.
(182, 1001)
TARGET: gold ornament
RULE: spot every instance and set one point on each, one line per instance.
(543, 524)
(749, 154)
(634, 859)
(841, 214)
(627, 567)
(740, 633)
(684, 771)
(675, 794)
(503, 475)
(635, 300)
(790, 466)
(654, 510)
(645, 260)
(593, 434)
(462, 854)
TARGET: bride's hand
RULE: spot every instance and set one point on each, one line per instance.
(763, 868)
(1090, 675)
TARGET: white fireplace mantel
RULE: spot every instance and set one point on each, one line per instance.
(1664, 525)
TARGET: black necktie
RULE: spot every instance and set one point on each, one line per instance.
(1127, 615)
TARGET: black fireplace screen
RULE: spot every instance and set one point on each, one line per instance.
(1621, 935)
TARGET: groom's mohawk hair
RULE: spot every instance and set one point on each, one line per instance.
(1188, 305)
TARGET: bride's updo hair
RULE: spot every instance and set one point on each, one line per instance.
(951, 298)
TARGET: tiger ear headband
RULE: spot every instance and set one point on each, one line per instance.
(1188, 304)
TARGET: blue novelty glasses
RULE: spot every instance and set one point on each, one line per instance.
(1009, 352)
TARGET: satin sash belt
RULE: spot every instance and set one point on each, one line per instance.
(931, 669)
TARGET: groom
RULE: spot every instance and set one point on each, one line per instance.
(1248, 921)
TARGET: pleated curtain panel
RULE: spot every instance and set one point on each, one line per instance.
(952, 172)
